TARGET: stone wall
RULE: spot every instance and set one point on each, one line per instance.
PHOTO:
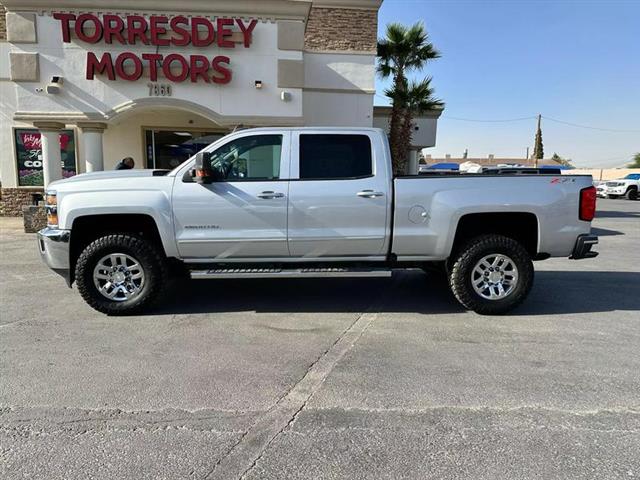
(34, 218)
(331, 29)
(3, 24)
(13, 199)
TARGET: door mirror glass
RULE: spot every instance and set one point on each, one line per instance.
(206, 171)
(202, 171)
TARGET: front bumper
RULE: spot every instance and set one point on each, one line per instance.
(582, 248)
(53, 244)
(616, 190)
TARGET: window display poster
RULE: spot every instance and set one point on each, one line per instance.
(29, 156)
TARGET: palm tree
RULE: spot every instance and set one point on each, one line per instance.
(413, 98)
(402, 50)
(636, 161)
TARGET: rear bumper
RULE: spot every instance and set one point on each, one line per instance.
(53, 245)
(582, 248)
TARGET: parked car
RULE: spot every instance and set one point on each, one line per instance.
(300, 202)
(624, 187)
(601, 188)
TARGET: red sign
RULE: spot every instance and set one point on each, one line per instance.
(160, 31)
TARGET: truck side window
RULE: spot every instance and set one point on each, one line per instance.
(335, 156)
(249, 158)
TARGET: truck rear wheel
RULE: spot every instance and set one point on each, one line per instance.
(491, 274)
(120, 274)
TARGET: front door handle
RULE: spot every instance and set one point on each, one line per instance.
(269, 194)
(370, 194)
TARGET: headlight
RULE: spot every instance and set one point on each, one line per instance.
(51, 205)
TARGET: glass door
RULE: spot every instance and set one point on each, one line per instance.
(166, 149)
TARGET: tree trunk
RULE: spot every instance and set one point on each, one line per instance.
(404, 140)
(395, 129)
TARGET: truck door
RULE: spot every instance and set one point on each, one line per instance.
(338, 196)
(245, 214)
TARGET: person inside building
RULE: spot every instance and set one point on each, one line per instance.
(125, 164)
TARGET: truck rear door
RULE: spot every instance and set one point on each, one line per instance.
(338, 197)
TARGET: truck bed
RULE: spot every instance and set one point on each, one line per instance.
(427, 209)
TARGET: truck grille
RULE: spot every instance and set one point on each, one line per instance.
(614, 184)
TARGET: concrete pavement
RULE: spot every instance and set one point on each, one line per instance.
(362, 378)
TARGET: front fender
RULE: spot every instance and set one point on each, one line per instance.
(154, 203)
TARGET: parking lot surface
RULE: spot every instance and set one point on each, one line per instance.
(325, 378)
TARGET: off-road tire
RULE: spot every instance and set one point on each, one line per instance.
(632, 194)
(464, 262)
(152, 261)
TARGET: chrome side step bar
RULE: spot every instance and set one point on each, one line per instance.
(289, 273)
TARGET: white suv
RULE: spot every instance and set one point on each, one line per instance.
(627, 187)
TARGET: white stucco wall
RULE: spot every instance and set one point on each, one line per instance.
(424, 136)
(338, 109)
(100, 95)
(339, 71)
(125, 138)
(338, 90)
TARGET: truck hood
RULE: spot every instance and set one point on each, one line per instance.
(109, 175)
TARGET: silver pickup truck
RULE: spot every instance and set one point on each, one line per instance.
(295, 202)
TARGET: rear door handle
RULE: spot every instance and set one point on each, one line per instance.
(370, 194)
(269, 194)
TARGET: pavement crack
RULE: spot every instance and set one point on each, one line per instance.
(245, 454)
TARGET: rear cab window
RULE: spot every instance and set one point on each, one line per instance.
(334, 157)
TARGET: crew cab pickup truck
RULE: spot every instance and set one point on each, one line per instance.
(296, 202)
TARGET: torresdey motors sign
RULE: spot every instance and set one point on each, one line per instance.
(29, 156)
(160, 31)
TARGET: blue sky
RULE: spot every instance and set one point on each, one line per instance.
(574, 61)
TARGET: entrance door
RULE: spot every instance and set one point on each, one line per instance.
(244, 216)
(337, 205)
(169, 148)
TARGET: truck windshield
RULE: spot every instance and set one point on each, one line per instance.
(633, 176)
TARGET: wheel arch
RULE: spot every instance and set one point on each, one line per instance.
(520, 226)
(87, 228)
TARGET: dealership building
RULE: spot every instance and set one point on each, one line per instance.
(84, 83)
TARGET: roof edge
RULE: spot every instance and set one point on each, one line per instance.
(265, 8)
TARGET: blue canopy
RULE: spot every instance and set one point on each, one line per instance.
(559, 167)
(444, 166)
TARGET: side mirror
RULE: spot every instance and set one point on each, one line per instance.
(203, 173)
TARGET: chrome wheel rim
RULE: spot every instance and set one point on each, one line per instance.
(118, 277)
(494, 277)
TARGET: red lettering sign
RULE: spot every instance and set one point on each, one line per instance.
(162, 31)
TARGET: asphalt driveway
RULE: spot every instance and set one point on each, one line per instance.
(361, 378)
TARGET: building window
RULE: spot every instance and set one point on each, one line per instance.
(166, 149)
(29, 156)
(334, 156)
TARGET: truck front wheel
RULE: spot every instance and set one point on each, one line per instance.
(120, 274)
(491, 274)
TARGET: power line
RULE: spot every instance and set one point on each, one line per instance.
(531, 117)
(489, 121)
(590, 127)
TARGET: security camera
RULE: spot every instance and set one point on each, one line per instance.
(55, 85)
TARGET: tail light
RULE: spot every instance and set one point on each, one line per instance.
(587, 204)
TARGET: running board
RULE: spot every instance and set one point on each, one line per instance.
(288, 273)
